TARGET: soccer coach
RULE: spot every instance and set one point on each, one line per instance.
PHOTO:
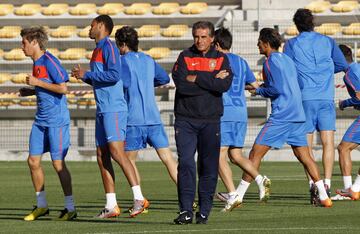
(201, 74)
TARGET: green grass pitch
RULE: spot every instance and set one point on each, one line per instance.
(288, 210)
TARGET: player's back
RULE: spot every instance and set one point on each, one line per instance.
(52, 108)
(234, 99)
(140, 95)
(280, 73)
(352, 79)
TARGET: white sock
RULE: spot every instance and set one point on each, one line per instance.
(258, 179)
(110, 201)
(356, 186)
(322, 191)
(311, 182)
(328, 182)
(347, 182)
(41, 199)
(241, 189)
(69, 203)
(137, 193)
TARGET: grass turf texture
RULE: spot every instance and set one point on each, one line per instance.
(288, 210)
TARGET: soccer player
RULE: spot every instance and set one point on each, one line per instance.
(351, 139)
(111, 115)
(50, 130)
(144, 123)
(234, 124)
(287, 118)
(201, 74)
(317, 58)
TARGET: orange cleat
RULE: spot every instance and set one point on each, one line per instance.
(348, 193)
(139, 207)
(326, 203)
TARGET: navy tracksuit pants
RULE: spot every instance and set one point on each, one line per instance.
(203, 137)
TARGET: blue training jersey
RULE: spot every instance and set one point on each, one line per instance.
(281, 86)
(52, 108)
(352, 82)
(145, 74)
(234, 99)
(317, 57)
(106, 77)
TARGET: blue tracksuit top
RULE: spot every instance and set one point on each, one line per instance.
(145, 74)
(52, 110)
(352, 82)
(282, 87)
(317, 57)
(106, 77)
(234, 99)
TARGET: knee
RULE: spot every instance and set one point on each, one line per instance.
(343, 149)
(58, 165)
(34, 163)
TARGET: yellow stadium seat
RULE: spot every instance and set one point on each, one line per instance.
(158, 52)
(87, 100)
(6, 9)
(116, 27)
(83, 9)
(318, 6)
(352, 29)
(84, 32)
(175, 30)
(71, 98)
(1, 53)
(111, 9)
(4, 77)
(10, 31)
(19, 78)
(7, 99)
(28, 9)
(88, 54)
(138, 9)
(64, 31)
(358, 53)
(28, 101)
(328, 28)
(55, 9)
(73, 54)
(148, 30)
(54, 51)
(345, 6)
(292, 31)
(14, 54)
(166, 8)
(194, 8)
(73, 80)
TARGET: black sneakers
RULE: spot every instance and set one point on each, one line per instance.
(200, 218)
(184, 217)
(314, 196)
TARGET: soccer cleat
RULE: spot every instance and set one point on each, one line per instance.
(36, 213)
(314, 196)
(200, 218)
(233, 202)
(66, 215)
(109, 213)
(184, 217)
(348, 193)
(339, 197)
(139, 207)
(222, 196)
(326, 203)
(194, 206)
(264, 189)
(146, 210)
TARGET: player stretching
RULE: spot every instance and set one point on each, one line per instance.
(50, 130)
(234, 124)
(317, 57)
(287, 119)
(351, 139)
(111, 116)
(144, 123)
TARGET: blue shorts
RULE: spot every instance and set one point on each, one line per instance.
(320, 115)
(233, 133)
(110, 127)
(275, 134)
(55, 140)
(352, 134)
(138, 136)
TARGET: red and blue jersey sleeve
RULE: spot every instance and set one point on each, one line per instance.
(271, 71)
(56, 72)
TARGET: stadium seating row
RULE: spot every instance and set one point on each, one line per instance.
(80, 9)
(330, 29)
(340, 7)
(66, 31)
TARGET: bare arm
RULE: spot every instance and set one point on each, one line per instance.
(56, 88)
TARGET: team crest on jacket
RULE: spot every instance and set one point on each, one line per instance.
(212, 64)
